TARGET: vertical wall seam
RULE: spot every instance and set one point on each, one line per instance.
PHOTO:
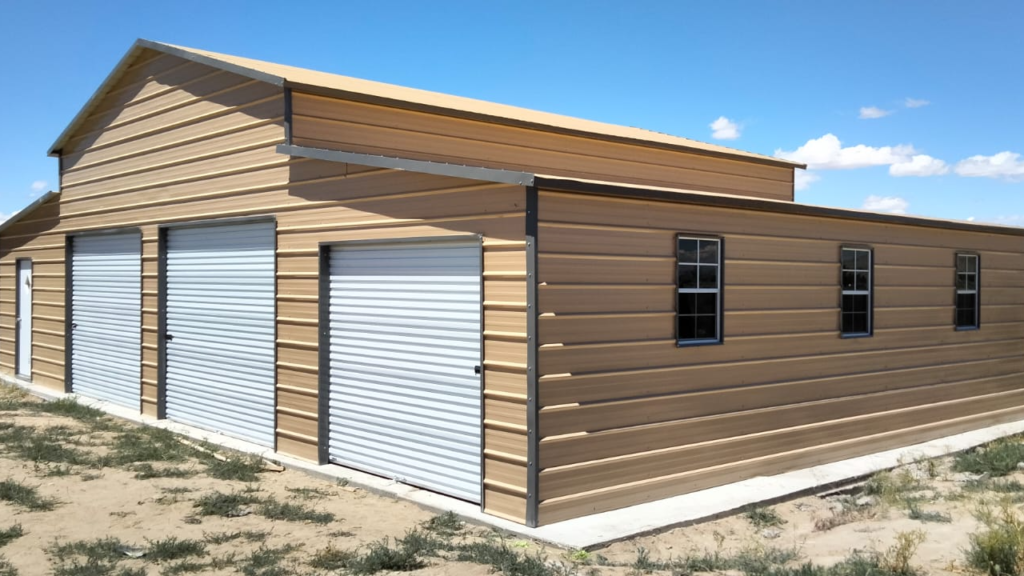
(323, 429)
(288, 116)
(161, 323)
(69, 270)
(532, 350)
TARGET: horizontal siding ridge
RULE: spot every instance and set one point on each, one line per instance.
(502, 486)
(182, 161)
(392, 222)
(297, 390)
(297, 367)
(136, 152)
(297, 344)
(639, 373)
(505, 456)
(560, 508)
(506, 426)
(163, 110)
(183, 122)
(501, 395)
(711, 444)
(498, 144)
(297, 413)
(296, 436)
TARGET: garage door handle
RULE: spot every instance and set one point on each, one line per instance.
(168, 337)
(74, 325)
(476, 369)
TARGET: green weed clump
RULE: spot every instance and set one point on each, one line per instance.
(997, 458)
(914, 512)
(146, 471)
(10, 534)
(70, 408)
(174, 549)
(267, 561)
(226, 505)
(998, 549)
(25, 496)
(893, 487)
(764, 517)
(239, 467)
(100, 557)
(447, 524)
(272, 509)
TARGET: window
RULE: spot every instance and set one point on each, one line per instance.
(699, 305)
(856, 283)
(967, 272)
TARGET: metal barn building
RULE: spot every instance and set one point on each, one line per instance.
(549, 316)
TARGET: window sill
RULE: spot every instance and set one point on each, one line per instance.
(689, 343)
(856, 335)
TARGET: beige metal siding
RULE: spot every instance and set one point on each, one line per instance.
(47, 254)
(358, 127)
(177, 142)
(629, 417)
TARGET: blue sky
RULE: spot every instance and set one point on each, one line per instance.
(827, 83)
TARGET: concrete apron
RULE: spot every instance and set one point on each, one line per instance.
(595, 530)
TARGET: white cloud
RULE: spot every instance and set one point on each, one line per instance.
(4, 217)
(872, 112)
(915, 103)
(802, 179)
(724, 129)
(828, 153)
(890, 204)
(39, 185)
(919, 165)
(1004, 165)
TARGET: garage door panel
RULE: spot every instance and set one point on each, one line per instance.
(220, 316)
(404, 326)
(422, 428)
(106, 317)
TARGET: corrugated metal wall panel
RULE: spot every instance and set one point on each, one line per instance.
(220, 322)
(405, 346)
(106, 317)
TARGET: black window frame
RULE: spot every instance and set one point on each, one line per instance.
(719, 291)
(957, 291)
(870, 292)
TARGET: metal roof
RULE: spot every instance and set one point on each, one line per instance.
(402, 97)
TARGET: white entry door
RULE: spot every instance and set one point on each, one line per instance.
(405, 355)
(106, 317)
(24, 319)
(220, 360)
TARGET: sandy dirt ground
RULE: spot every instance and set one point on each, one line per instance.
(92, 502)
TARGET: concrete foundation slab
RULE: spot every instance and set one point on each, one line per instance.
(598, 529)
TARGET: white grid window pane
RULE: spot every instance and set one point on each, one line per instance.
(698, 306)
(855, 282)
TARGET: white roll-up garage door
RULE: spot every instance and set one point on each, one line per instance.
(405, 361)
(106, 317)
(220, 329)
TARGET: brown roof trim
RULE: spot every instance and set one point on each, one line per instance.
(745, 203)
(501, 120)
